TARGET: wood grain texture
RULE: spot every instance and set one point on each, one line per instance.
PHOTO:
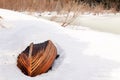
(37, 58)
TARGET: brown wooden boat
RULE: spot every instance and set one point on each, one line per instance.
(37, 58)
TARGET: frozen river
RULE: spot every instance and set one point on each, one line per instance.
(106, 23)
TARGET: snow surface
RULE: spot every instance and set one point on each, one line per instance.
(84, 54)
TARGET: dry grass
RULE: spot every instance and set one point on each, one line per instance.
(58, 5)
(29, 5)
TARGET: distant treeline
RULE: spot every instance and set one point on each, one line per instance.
(108, 4)
(42, 5)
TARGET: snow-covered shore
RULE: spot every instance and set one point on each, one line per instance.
(107, 22)
(84, 54)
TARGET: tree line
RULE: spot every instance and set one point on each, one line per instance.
(43, 5)
(108, 4)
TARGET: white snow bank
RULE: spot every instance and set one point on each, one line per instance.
(84, 54)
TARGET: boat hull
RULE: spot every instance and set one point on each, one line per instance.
(40, 61)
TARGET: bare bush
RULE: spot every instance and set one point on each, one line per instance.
(73, 11)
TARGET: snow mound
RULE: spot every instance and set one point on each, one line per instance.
(84, 54)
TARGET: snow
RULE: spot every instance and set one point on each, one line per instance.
(85, 54)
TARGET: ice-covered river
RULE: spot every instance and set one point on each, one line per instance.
(107, 23)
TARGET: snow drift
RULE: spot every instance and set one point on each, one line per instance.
(84, 54)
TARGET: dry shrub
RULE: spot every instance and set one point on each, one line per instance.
(84, 8)
(98, 9)
(72, 11)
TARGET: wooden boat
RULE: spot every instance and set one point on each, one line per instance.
(37, 58)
